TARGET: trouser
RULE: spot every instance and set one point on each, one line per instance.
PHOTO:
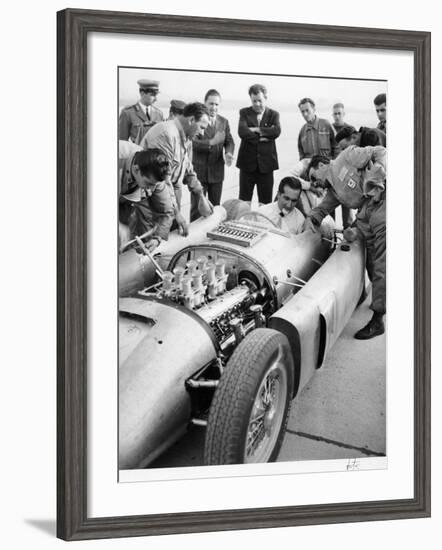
(264, 184)
(347, 218)
(212, 191)
(371, 221)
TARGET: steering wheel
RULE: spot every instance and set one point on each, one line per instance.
(254, 216)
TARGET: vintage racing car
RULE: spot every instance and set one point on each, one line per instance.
(222, 329)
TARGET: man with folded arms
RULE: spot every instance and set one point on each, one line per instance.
(258, 129)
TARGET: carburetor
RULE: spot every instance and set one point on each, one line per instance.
(196, 284)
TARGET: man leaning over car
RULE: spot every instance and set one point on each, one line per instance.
(145, 201)
(356, 179)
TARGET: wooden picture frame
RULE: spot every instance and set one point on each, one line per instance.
(73, 29)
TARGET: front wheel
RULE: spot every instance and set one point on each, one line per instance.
(250, 408)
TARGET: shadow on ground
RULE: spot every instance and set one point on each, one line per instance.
(48, 526)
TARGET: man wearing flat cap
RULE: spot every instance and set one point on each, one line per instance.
(137, 119)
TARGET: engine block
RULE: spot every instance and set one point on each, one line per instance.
(193, 286)
(202, 287)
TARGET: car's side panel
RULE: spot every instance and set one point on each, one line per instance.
(158, 353)
(322, 308)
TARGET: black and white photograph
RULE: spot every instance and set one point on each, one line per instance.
(252, 256)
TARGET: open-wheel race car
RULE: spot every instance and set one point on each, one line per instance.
(222, 330)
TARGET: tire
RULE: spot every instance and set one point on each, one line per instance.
(254, 390)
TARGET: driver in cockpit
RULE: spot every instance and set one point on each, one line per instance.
(283, 212)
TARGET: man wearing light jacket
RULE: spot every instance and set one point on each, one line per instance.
(356, 179)
(173, 137)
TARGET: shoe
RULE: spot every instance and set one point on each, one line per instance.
(375, 327)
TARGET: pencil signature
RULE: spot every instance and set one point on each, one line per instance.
(352, 465)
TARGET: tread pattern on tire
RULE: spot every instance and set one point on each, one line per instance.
(235, 395)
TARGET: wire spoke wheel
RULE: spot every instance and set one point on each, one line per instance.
(250, 408)
(267, 414)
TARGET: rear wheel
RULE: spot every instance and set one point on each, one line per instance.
(250, 408)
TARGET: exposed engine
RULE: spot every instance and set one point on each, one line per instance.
(224, 299)
(237, 279)
(194, 285)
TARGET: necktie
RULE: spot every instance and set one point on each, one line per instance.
(147, 113)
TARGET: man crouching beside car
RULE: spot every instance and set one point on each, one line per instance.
(145, 202)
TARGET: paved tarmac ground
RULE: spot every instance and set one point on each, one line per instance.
(340, 413)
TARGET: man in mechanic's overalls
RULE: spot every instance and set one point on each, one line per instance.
(356, 179)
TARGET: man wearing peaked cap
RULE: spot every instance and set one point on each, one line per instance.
(176, 108)
(137, 119)
(147, 84)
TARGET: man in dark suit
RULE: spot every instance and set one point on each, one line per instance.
(208, 158)
(257, 157)
(137, 119)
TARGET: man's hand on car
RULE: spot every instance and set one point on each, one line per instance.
(309, 225)
(183, 228)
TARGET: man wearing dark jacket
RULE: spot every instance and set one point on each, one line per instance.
(258, 129)
(209, 150)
